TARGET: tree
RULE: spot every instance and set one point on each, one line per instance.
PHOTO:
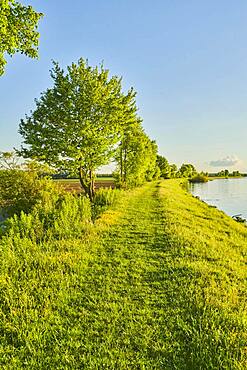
(173, 171)
(18, 30)
(153, 171)
(226, 173)
(135, 157)
(236, 174)
(164, 167)
(187, 170)
(78, 122)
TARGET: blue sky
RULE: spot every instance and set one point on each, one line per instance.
(187, 60)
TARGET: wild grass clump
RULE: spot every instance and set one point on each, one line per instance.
(72, 217)
(103, 199)
(64, 217)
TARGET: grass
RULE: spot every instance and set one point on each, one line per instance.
(159, 282)
(209, 251)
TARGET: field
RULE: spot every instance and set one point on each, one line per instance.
(158, 282)
(74, 184)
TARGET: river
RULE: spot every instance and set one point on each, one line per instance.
(229, 195)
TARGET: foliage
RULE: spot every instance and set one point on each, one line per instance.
(235, 174)
(225, 173)
(41, 169)
(173, 171)
(72, 217)
(167, 171)
(187, 170)
(103, 199)
(77, 123)
(199, 178)
(106, 197)
(135, 157)
(18, 31)
(164, 167)
(21, 191)
(63, 216)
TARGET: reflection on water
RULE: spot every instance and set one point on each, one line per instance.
(229, 195)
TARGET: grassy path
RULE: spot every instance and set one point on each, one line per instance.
(127, 294)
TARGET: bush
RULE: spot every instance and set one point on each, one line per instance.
(22, 190)
(198, 178)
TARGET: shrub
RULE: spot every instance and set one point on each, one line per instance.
(25, 226)
(198, 178)
(22, 190)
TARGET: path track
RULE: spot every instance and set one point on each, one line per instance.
(125, 292)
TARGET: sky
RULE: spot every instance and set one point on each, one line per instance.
(187, 60)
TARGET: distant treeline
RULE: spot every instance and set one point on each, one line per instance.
(226, 173)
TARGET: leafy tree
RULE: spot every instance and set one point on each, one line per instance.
(153, 171)
(187, 170)
(136, 157)
(226, 173)
(163, 164)
(223, 173)
(236, 174)
(18, 31)
(173, 171)
(78, 122)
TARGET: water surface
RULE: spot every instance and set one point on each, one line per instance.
(229, 195)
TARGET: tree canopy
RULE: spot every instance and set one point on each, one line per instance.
(187, 170)
(164, 167)
(78, 122)
(135, 157)
(18, 30)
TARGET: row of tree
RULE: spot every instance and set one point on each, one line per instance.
(170, 171)
(226, 173)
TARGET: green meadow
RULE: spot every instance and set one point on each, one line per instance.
(158, 281)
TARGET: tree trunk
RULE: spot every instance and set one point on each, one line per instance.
(125, 166)
(86, 186)
(87, 182)
(121, 162)
(92, 185)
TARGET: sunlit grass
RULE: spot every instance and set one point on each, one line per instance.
(159, 282)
